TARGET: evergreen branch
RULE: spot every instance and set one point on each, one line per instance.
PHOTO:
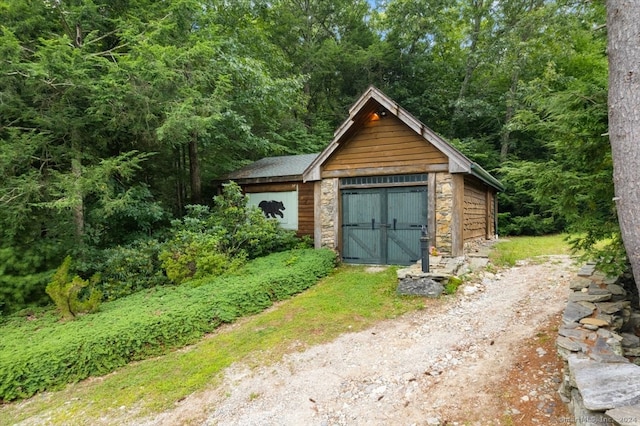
(109, 51)
(95, 40)
(18, 73)
(9, 197)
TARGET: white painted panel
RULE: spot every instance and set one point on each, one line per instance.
(269, 202)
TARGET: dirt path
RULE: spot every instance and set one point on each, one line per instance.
(483, 358)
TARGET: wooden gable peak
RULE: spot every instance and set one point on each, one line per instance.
(458, 162)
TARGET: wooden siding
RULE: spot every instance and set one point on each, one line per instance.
(457, 214)
(476, 209)
(306, 209)
(305, 202)
(384, 143)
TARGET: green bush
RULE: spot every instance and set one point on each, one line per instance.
(24, 275)
(201, 256)
(452, 285)
(214, 241)
(125, 270)
(531, 224)
(42, 353)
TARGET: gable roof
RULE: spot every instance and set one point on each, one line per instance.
(371, 101)
(274, 169)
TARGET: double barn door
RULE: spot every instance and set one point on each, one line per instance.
(383, 225)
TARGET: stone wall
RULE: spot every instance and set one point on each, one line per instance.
(329, 196)
(598, 341)
(444, 209)
(328, 213)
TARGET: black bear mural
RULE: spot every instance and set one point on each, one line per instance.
(272, 208)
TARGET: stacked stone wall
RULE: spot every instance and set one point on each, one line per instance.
(444, 212)
(598, 340)
(329, 197)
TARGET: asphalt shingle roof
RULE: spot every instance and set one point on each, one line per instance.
(287, 165)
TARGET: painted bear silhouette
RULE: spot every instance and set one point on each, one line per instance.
(272, 208)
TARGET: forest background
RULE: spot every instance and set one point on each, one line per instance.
(115, 116)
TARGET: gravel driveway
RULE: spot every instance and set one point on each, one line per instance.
(437, 366)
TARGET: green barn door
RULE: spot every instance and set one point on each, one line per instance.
(361, 231)
(383, 225)
(406, 214)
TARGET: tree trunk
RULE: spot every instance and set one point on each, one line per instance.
(623, 26)
(180, 186)
(472, 60)
(194, 171)
(78, 208)
(505, 138)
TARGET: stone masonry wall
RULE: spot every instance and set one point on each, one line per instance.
(329, 197)
(598, 340)
(444, 209)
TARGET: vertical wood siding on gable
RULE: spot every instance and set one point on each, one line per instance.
(476, 219)
(384, 143)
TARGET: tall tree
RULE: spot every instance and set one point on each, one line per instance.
(623, 26)
(327, 41)
(89, 90)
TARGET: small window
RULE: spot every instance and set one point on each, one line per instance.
(383, 180)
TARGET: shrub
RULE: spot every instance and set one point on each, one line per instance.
(531, 224)
(66, 293)
(42, 354)
(125, 270)
(213, 241)
(24, 274)
(195, 256)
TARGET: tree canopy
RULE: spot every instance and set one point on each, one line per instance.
(116, 115)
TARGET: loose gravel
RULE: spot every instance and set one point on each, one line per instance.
(436, 366)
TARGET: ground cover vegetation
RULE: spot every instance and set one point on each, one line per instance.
(117, 116)
(349, 299)
(44, 353)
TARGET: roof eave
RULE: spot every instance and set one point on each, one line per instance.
(484, 176)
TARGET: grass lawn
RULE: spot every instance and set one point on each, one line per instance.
(350, 299)
(511, 249)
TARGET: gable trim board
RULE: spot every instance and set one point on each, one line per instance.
(377, 141)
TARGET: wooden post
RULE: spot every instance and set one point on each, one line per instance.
(457, 215)
(487, 216)
(317, 217)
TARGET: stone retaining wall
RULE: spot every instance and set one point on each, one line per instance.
(598, 341)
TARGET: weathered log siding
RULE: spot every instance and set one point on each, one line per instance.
(306, 209)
